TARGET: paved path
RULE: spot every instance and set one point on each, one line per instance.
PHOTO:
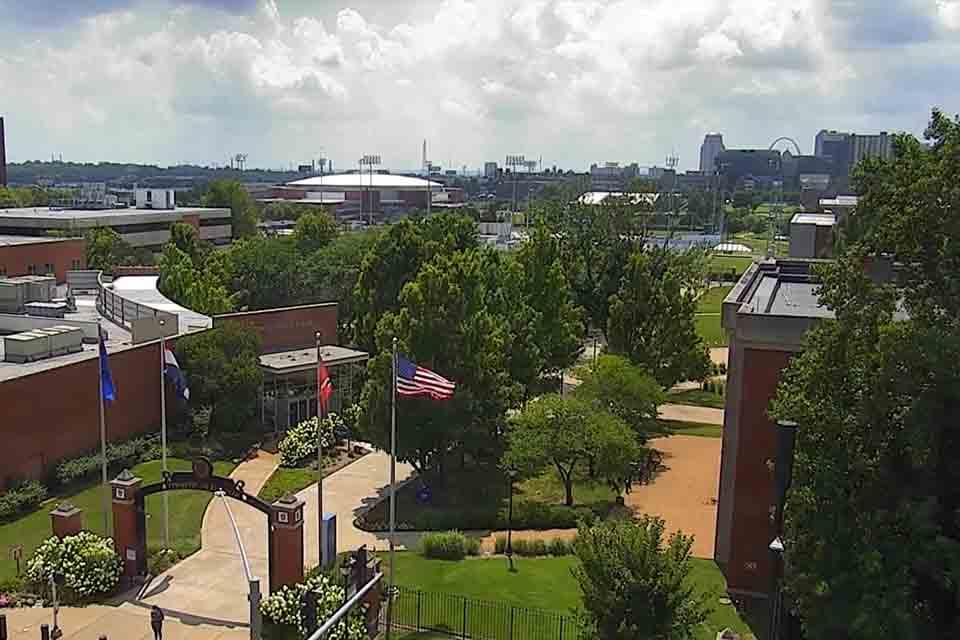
(691, 413)
(211, 583)
(127, 622)
(685, 494)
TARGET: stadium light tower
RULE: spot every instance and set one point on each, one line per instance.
(369, 160)
(514, 162)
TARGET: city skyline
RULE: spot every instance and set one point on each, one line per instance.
(573, 81)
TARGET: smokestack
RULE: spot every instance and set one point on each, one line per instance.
(3, 156)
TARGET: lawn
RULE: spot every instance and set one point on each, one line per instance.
(710, 330)
(476, 498)
(721, 263)
(186, 515)
(543, 583)
(697, 397)
(285, 481)
(712, 299)
(678, 428)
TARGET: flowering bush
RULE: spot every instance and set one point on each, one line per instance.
(286, 608)
(299, 445)
(87, 563)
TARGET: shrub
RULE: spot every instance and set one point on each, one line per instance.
(708, 386)
(526, 515)
(21, 499)
(560, 547)
(526, 547)
(448, 545)
(86, 562)
(126, 453)
(500, 544)
(285, 607)
(299, 445)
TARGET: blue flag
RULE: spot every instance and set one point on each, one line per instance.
(106, 380)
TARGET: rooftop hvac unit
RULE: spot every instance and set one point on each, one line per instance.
(27, 346)
(13, 295)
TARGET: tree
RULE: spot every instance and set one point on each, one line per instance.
(222, 366)
(265, 272)
(557, 327)
(243, 210)
(106, 249)
(331, 273)
(872, 538)
(453, 320)
(184, 237)
(652, 316)
(636, 585)
(615, 385)
(566, 434)
(313, 231)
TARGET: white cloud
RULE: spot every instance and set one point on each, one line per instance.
(575, 80)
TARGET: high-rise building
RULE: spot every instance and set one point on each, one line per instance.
(845, 150)
(711, 148)
(3, 156)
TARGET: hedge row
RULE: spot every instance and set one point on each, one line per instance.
(126, 453)
(526, 515)
(449, 545)
(523, 547)
(21, 499)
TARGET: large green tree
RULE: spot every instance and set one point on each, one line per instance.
(243, 210)
(567, 435)
(105, 250)
(313, 231)
(557, 323)
(615, 385)
(265, 272)
(872, 533)
(652, 316)
(223, 371)
(635, 584)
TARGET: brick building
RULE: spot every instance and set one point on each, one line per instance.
(766, 316)
(25, 255)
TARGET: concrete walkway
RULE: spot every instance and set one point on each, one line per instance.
(211, 585)
(691, 413)
(127, 622)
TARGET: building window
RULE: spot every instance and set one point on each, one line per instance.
(75, 264)
(149, 196)
(48, 268)
(32, 269)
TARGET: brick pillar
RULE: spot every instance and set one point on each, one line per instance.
(373, 598)
(66, 520)
(129, 534)
(286, 543)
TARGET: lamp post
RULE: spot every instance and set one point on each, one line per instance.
(783, 476)
(346, 570)
(511, 475)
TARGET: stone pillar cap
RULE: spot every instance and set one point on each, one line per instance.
(125, 478)
(65, 508)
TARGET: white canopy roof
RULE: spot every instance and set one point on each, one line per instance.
(366, 181)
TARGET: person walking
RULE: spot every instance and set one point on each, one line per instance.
(156, 622)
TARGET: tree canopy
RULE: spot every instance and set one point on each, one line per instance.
(616, 386)
(314, 231)
(233, 195)
(636, 585)
(872, 538)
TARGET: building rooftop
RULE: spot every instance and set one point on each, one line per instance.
(143, 290)
(11, 241)
(365, 180)
(597, 197)
(818, 219)
(48, 214)
(839, 201)
(304, 359)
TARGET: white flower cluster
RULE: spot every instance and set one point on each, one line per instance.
(300, 442)
(286, 608)
(86, 562)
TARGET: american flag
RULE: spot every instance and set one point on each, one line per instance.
(417, 381)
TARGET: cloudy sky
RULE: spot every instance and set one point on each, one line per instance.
(573, 81)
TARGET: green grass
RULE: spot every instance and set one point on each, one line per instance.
(710, 330)
(678, 428)
(544, 583)
(724, 263)
(186, 515)
(697, 397)
(712, 299)
(286, 481)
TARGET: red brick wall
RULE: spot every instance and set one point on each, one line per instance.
(54, 414)
(16, 259)
(752, 530)
(289, 328)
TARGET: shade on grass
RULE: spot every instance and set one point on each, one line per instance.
(679, 428)
(186, 515)
(697, 397)
(544, 583)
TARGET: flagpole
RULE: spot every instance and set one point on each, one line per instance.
(163, 434)
(393, 477)
(103, 443)
(321, 556)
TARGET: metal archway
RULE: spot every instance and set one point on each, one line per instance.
(796, 146)
(201, 478)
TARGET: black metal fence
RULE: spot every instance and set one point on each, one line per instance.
(460, 617)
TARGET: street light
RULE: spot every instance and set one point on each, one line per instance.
(783, 477)
(346, 570)
(511, 475)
